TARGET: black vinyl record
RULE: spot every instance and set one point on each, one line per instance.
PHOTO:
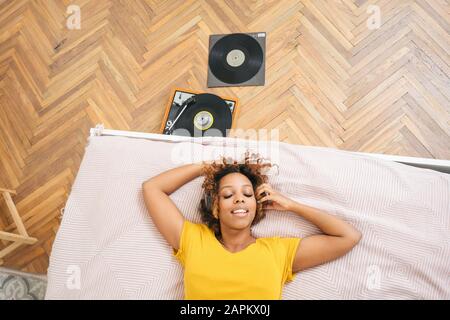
(208, 115)
(236, 58)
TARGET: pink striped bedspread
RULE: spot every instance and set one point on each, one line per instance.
(107, 246)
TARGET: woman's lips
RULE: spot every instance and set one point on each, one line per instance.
(240, 212)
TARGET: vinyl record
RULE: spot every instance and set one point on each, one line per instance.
(235, 58)
(209, 115)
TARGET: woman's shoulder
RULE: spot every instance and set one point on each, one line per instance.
(279, 246)
(196, 226)
(268, 240)
(276, 240)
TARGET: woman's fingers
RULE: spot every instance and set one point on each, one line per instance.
(264, 185)
(264, 199)
(264, 188)
(263, 192)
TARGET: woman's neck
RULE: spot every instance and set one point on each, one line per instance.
(236, 240)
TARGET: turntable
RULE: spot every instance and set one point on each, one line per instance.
(195, 114)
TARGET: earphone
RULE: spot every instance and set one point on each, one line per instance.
(207, 199)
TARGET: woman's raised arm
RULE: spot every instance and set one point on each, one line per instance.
(156, 190)
(339, 236)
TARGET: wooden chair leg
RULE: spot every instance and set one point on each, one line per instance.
(7, 190)
(14, 214)
(17, 239)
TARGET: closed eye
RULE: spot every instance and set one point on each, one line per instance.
(247, 195)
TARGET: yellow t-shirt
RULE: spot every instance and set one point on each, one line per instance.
(211, 272)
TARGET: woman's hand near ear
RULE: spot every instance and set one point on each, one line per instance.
(272, 199)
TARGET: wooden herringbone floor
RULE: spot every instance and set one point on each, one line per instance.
(330, 81)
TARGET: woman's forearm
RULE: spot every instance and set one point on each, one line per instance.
(171, 180)
(329, 224)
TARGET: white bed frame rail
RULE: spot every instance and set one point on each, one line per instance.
(426, 163)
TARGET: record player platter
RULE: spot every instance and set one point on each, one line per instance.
(205, 115)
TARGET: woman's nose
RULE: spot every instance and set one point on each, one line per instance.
(239, 200)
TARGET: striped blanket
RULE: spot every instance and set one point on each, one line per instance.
(107, 246)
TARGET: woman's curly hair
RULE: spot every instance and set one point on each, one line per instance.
(252, 167)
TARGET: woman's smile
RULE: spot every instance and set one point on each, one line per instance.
(240, 212)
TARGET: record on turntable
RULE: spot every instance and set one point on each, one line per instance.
(237, 59)
(198, 114)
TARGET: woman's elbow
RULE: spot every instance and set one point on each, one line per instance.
(355, 237)
(147, 185)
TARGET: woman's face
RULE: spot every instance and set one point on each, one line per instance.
(237, 202)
